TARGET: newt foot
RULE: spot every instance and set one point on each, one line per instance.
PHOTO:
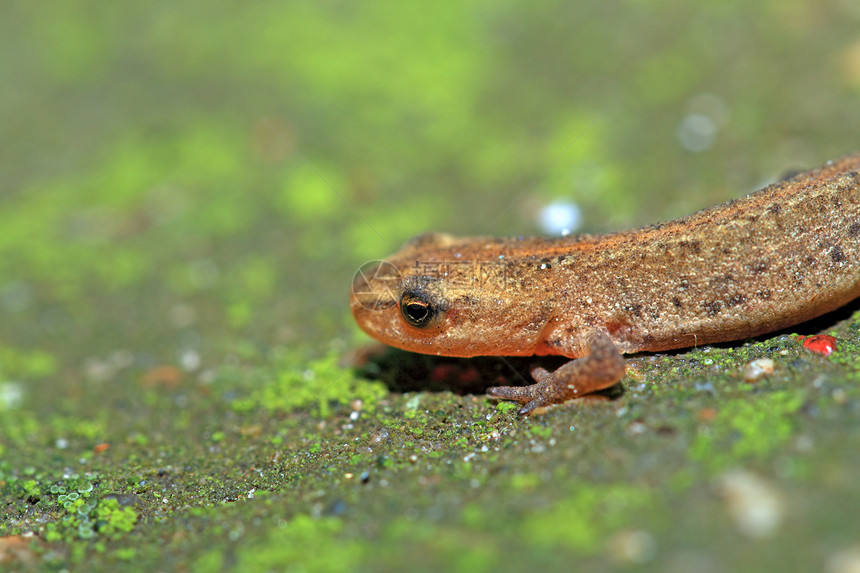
(602, 367)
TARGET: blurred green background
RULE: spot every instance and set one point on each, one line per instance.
(188, 187)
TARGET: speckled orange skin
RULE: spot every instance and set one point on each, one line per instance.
(779, 256)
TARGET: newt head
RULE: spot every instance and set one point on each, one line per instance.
(448, 296)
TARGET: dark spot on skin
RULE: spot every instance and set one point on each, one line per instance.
(466, 301)
(713, 307)
(854, 230)
(735, 300)
(677, 302)
(810, 261)
(692, 246)
(634, 309)
(722, 281)
(836, 255)
(848, 181)
(764, 294)
(775, 209)
(758, 267)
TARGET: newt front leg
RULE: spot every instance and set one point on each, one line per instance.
(602, 367)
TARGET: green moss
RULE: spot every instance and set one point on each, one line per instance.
(19, 363)
(747, 427)
(113, 520)
(449, 547)
(83, 519)
(507, 406)
(31, 488)
(584, 519)
(539, 430)
(18, 426)
(126, 554)
(132, 179)
(311, 193)
(666, 76)
(90, 429)
(240, 314)
(301, 544)
(848, 348)
(316, 385)
(525, 481)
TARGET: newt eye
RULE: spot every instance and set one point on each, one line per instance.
(417, 309)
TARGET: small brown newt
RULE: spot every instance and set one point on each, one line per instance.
(777, 257)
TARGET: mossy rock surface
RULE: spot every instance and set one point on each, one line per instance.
(187, 190)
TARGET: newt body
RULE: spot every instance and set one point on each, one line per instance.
(777, 257)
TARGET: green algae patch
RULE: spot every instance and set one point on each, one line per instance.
(507, 406)
(85, 518)
(302, 544)
(113, 520)
(18, 426)
(317, 386)
(19, 363)
(585, 519)
(747, 428)
(450, 547)
(848, 347)
(129, 181)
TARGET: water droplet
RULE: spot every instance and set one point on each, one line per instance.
(697, 133)
(560, 218)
